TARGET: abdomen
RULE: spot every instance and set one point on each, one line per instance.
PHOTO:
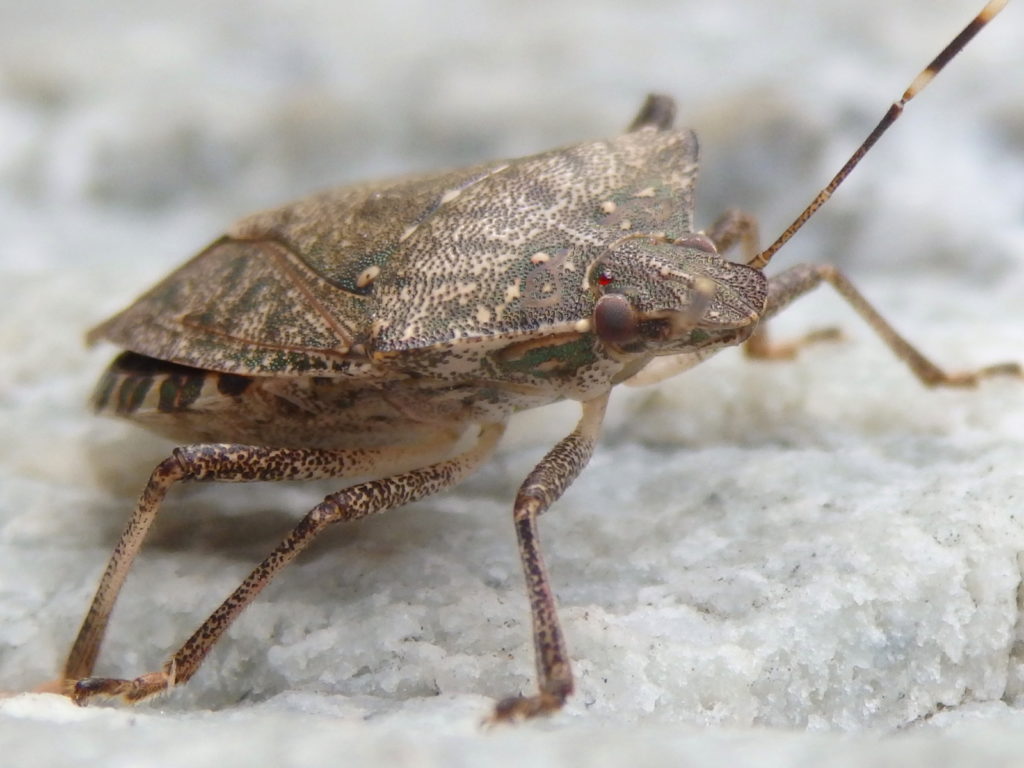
(192, 405)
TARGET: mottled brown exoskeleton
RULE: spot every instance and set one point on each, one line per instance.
(376, 330)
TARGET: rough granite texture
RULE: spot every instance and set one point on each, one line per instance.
(809, 563)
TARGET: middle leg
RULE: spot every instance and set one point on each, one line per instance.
(542, 487)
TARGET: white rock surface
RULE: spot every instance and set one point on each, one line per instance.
(766, 564)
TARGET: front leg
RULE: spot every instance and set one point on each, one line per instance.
(542, 487)
(798, 280)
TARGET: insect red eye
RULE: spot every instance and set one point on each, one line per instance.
(604, 279)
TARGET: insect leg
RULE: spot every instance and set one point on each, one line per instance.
(657, 111)
(542, 487)
(238, 463)
(798, 280)
(735, 226)
(225, 463)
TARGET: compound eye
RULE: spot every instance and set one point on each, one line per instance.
(614, 319)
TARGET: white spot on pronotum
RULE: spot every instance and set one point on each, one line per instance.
(625, 224)
(540, 258)
(608, 206)
(581, 326)
(367, 276)
(483, 315)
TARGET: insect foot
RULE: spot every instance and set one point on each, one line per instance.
(523, 707)
(131, 691)
(384, 334)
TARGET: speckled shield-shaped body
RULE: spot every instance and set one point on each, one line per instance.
(445, 299)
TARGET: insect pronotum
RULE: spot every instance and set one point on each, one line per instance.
(367, 330)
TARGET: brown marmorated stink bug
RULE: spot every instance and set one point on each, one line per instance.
(365, 331)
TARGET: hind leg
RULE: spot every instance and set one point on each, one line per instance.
(234, 463)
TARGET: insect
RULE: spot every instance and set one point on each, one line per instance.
(391, 329)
